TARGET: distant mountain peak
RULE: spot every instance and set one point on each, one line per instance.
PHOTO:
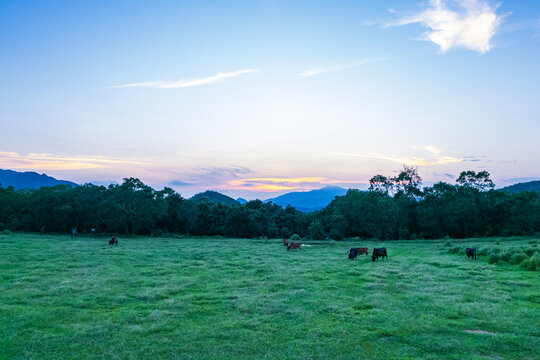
(311, 200)
(29, 180)
(524, 186)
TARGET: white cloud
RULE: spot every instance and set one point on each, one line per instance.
(467, 24)
(316, 70)
(432, 156)
(187, 83)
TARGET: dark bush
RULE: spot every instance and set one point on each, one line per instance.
(517, 258)
(530, 252)
(494, 258)
(483, 251)
(532, 264)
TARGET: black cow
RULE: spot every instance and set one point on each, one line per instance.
(353, 253)
(379, 252)
(114, 240)
(471, 253)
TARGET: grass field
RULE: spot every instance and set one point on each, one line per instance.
(251, 299)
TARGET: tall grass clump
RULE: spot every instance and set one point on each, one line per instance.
(494, 258)
(517, 258)
(533, 263)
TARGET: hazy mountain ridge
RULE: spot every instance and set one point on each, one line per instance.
(307, 201)
(29, 180)
(524, 186)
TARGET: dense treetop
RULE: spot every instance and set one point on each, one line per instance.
(393, 208)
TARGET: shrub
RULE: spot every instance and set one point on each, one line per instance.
(454, 250)
(447, 237)
(6, 232)
(530, 252)
(495, 251)
(506, 255)
(518, 258)
(448, 243)
(532, 264)
(483, 251)
(296, 237)
(493, 258)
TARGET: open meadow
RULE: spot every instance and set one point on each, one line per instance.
(150, 298)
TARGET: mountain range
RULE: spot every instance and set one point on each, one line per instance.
(526, 186)
(29, 180)
(307, 201)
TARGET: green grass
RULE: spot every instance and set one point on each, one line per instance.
(251, 299)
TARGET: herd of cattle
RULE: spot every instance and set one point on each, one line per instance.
(377, 252)
(353, 252)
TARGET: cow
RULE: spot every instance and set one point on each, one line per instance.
(362, 251)
(285, 242)
(471, 253)
(353, 253)
(294, 245)
(114, 240)
(380, 252)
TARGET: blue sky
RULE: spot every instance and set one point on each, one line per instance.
(257, 98)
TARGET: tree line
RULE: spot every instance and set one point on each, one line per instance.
(393, 208)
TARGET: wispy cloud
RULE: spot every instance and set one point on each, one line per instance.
(270, 184)
(467, 24)
(432, 156)
(14, 160)
(187, 83)
(320, 70)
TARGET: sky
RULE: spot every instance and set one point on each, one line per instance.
(258, 98)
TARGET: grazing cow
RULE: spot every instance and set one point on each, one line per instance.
(362, 251)
(353, 252)
(380, 252)
(471, 253)
(114, 240)
(294, 245)
(285, 242)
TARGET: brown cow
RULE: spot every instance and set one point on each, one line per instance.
(114, 240)
(353, 252)
(294, 245)
(362, 251)
(285, 242)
